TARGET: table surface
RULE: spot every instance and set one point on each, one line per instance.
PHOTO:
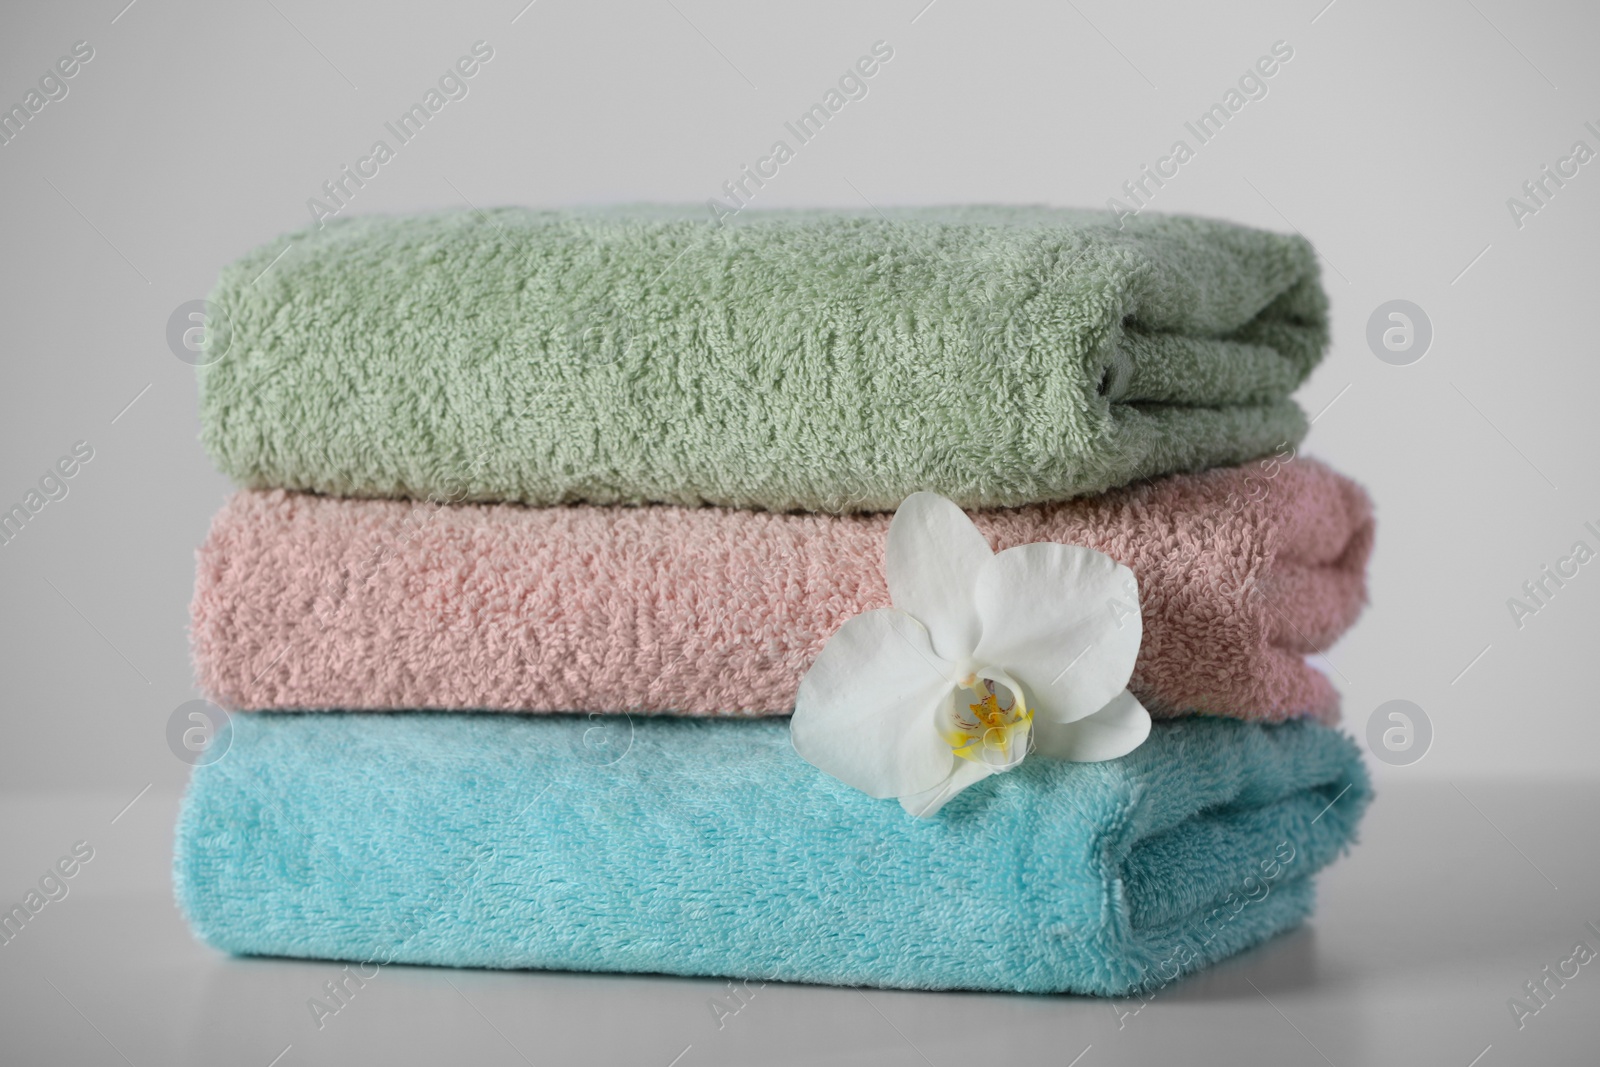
(1457, 894)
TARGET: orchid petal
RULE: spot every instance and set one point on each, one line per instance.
(1064, 621)
(932, 559)
(1115, 730)
(867, 709)
(965, 772)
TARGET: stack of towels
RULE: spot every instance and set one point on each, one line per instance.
(551, 524)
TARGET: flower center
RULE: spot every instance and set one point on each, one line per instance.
(989, 721)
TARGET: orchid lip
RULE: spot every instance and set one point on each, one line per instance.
(989, 720)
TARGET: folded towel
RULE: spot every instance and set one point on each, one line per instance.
(784, 360)
(307, 602)
(707, 847)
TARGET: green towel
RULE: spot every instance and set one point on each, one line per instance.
(827, 361)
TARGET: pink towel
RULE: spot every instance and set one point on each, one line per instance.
(307, 602)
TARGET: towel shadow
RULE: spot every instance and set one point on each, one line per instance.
(263, 1002)
(1284, 964)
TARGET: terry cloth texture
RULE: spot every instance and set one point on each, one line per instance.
(784, 360)
(707, 847)
(306, 602)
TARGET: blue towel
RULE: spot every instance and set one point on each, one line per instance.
(707, 847)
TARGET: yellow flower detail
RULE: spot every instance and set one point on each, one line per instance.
(990, 732)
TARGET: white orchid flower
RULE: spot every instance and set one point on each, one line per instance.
(983, 658)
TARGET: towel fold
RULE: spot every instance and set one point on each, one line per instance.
(705, 847)
(306, 602)
(783, 360)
